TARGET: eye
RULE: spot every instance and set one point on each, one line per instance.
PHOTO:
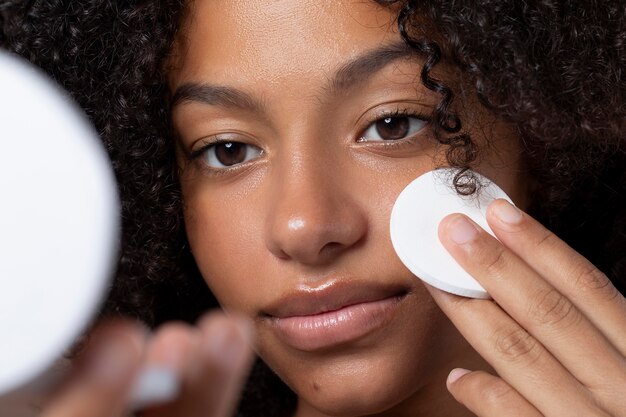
(393, 128)
(228, 154)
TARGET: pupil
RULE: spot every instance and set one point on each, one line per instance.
(392, 128)
(230, 153)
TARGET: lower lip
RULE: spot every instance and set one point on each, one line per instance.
(325, 330)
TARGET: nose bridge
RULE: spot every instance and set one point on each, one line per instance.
(314, 218)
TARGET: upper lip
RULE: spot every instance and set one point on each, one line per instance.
(330, 296)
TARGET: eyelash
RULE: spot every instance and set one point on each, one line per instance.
(397, 113)
(217, 140)
(392, 145)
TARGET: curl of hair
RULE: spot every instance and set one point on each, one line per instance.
(555, 70)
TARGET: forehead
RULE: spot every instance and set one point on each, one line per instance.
(252, 40)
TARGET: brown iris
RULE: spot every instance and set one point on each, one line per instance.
(230, 153)
(393, 128)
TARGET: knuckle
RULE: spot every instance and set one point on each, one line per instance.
(611, 398)
(547, 239)
(494, 391)
(590, 279)
(516, 345)
(462, 303)
(552, 308)
(493, 260)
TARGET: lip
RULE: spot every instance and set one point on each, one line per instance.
(334, 313)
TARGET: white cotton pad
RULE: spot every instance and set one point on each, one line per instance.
(59, 224)
(415, 219)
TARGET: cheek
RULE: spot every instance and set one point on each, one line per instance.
(224, 233)
(381, 180)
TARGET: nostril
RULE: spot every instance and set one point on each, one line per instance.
(331, 248)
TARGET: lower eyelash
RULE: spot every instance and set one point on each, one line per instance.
(398, 144)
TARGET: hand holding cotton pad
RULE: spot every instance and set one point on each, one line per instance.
(415, 219)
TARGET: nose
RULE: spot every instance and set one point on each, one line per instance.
(314, 219)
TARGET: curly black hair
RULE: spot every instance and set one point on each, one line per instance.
(554, 69)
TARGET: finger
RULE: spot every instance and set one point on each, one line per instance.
(212, 360)
(517, 357)
(535, 304)
(488, 396)
(227, 347)
(105, 372)
(172, 349)
(569, 272)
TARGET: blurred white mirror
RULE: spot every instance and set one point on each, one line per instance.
(59, 224)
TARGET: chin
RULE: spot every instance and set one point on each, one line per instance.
(358, 400)
(360, 383)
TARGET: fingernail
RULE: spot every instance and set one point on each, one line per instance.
(462, 230)
(507, 212)
(154, 386)
(112, 360)
(455, 374)
(228, 342)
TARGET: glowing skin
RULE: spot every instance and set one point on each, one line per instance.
(296, 236)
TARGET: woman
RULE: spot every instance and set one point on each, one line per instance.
(261, 145)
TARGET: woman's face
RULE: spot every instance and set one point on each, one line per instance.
(299, 124)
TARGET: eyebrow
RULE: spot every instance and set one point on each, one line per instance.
(363, 67)
(216, 96)
(348, 76)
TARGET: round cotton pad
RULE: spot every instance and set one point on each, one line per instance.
(58, 223)
(415, 218)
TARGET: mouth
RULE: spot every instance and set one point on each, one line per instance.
(332, 314)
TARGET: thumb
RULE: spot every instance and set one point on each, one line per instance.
(487, 395)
